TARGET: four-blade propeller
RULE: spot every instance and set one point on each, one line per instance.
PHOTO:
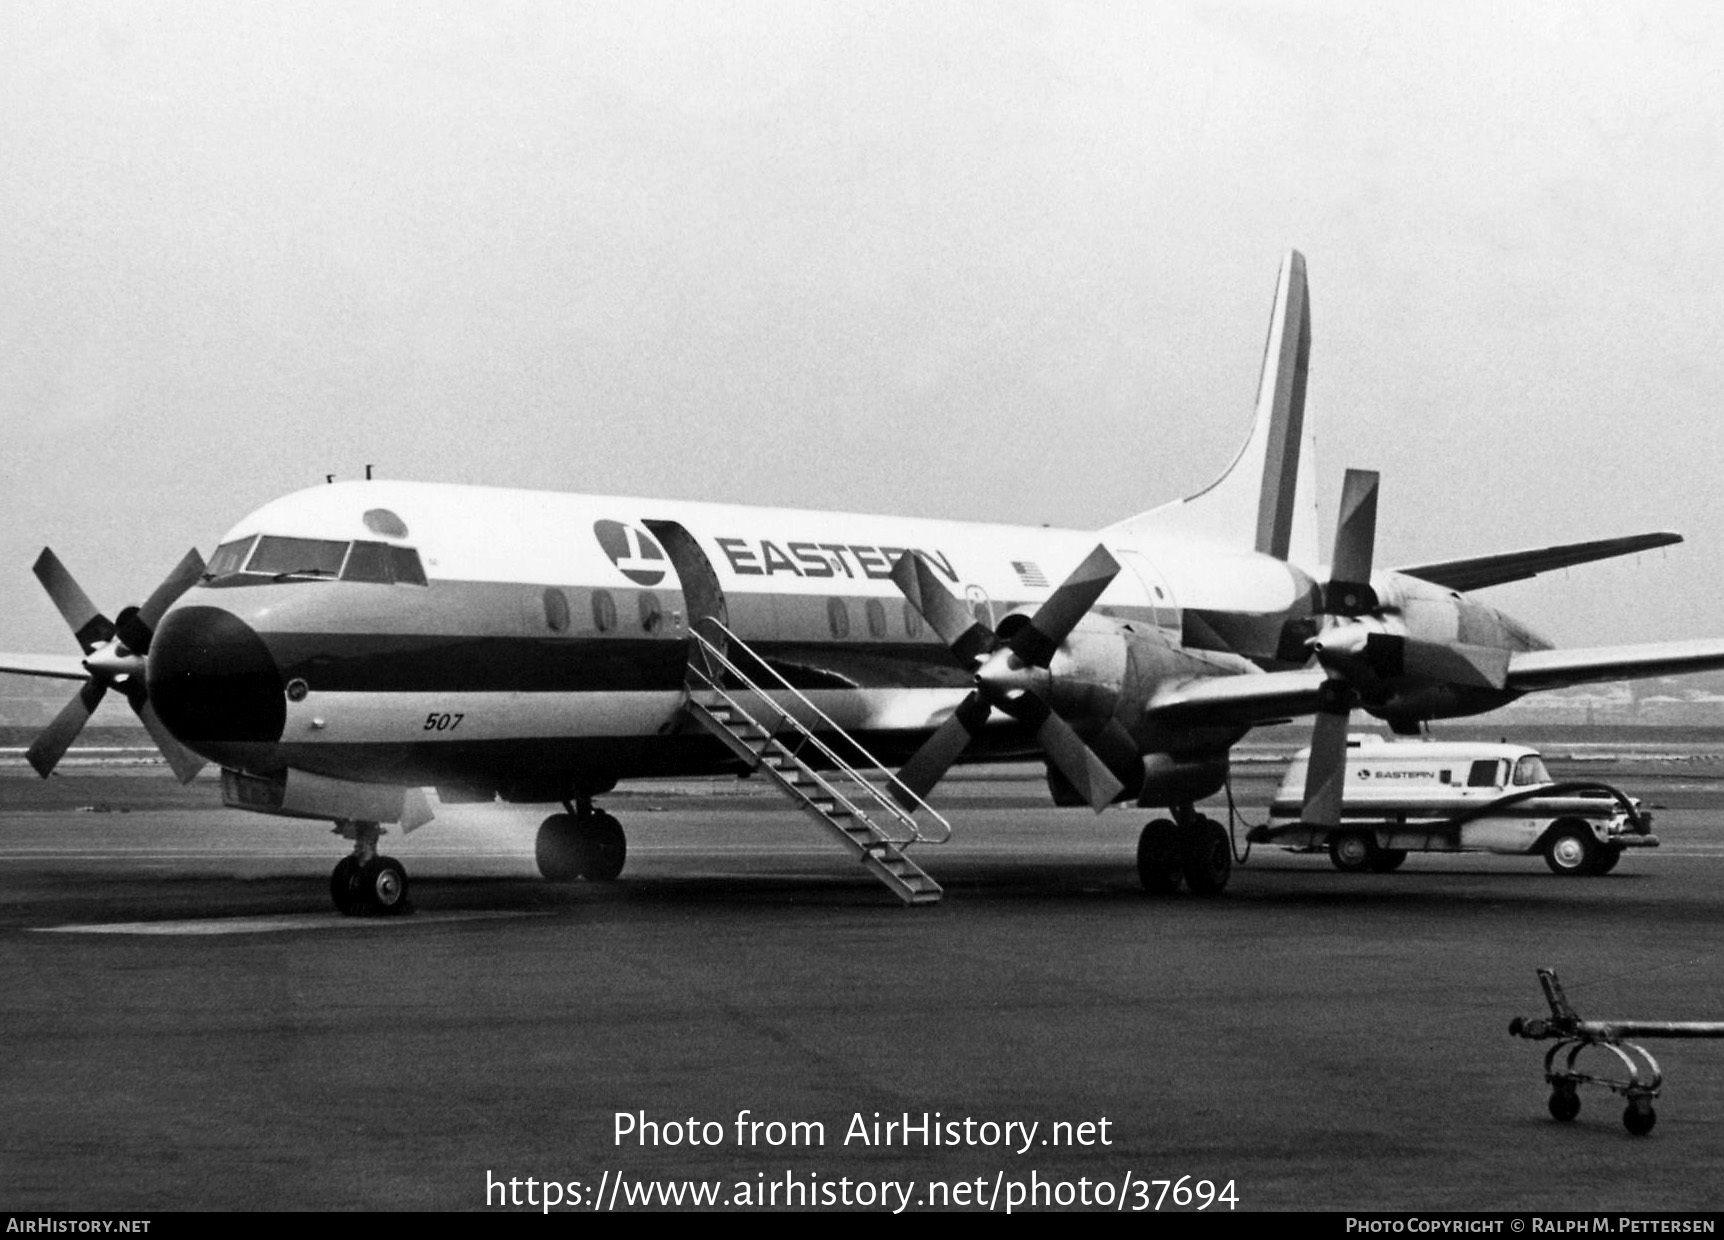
(114, 655)
(1360, 657)
(1011, 673)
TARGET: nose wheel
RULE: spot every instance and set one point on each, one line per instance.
(365, 883)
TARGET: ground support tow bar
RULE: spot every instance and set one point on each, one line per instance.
(1575, 1035)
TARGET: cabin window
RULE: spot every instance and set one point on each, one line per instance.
(604, 611)
(228, 557)
(556, 610)
(1484, 774)
(912, 621)
(838, 617)
(652, 618)
(297, 557)
(876, 613)
(1530, 770)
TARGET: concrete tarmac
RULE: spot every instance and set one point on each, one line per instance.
(1315, 1040)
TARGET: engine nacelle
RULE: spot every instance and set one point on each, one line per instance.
(1168, 780)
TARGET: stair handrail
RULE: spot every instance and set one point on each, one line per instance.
(890, 803)
(822, 784)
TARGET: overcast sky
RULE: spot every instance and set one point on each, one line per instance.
(992, 261)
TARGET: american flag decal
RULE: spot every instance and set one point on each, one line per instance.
(1029, 574)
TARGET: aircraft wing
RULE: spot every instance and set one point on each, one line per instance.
(57, 666)
(1557, 669)
(1272, 697)
(1494, 570)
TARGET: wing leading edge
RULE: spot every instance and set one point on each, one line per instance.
(53, 666)
(1274, 697)
(1495, 570)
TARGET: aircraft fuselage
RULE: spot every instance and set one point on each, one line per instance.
(533, 644)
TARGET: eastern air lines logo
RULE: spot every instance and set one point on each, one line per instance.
(633, 551)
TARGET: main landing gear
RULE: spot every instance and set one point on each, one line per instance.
(1191, 848)
(365, 882)
(584, 843)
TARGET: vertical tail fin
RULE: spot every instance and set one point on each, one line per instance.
(1266, 499)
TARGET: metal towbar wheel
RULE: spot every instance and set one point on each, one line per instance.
(1643, 1078)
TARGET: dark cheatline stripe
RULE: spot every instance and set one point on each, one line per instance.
(402, 663)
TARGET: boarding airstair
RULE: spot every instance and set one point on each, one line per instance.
(775, 729)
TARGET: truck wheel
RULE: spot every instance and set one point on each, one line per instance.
(1571, 849)
(1353, 852)
(1388, 859)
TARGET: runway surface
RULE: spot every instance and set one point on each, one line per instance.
(188, 1025)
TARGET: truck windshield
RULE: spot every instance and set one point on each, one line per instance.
(1530, 770)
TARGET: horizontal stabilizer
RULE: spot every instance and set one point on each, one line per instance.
(1494, 570)
(1557, 669)
(54, 666)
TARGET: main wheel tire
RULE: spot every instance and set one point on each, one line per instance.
(1608, 856)
(1388, 860)
(1570, 849)
(382, 887)
(1353, 852)
(1637, 1120)
(562, 849)
(1206, 856)
(341, 885)
(607, 848)
(1564, 1103)
(1159, 867)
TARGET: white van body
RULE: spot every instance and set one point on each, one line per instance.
(1405, 796)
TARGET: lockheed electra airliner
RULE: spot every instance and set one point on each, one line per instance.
(350, 646)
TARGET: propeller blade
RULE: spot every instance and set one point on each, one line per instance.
(946, 613)
(1348, 591)
(51, 745)
(184, 762)
(1036, 641)
(929, 763)
(89, 625)
(136, 627)
(1077, 762)
(1326, 769)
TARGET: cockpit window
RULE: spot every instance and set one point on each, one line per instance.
(1530, 770)
(279, 558)
(297, 557)
(228, 558)
(379, 562)
(404, 563)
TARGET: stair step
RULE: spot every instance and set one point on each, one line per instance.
(772, 745)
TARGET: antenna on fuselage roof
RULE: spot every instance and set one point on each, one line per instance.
(329, 478)
(368, 473)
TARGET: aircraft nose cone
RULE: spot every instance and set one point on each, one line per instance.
(212, 680)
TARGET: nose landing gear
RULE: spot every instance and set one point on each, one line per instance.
(365, 882)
